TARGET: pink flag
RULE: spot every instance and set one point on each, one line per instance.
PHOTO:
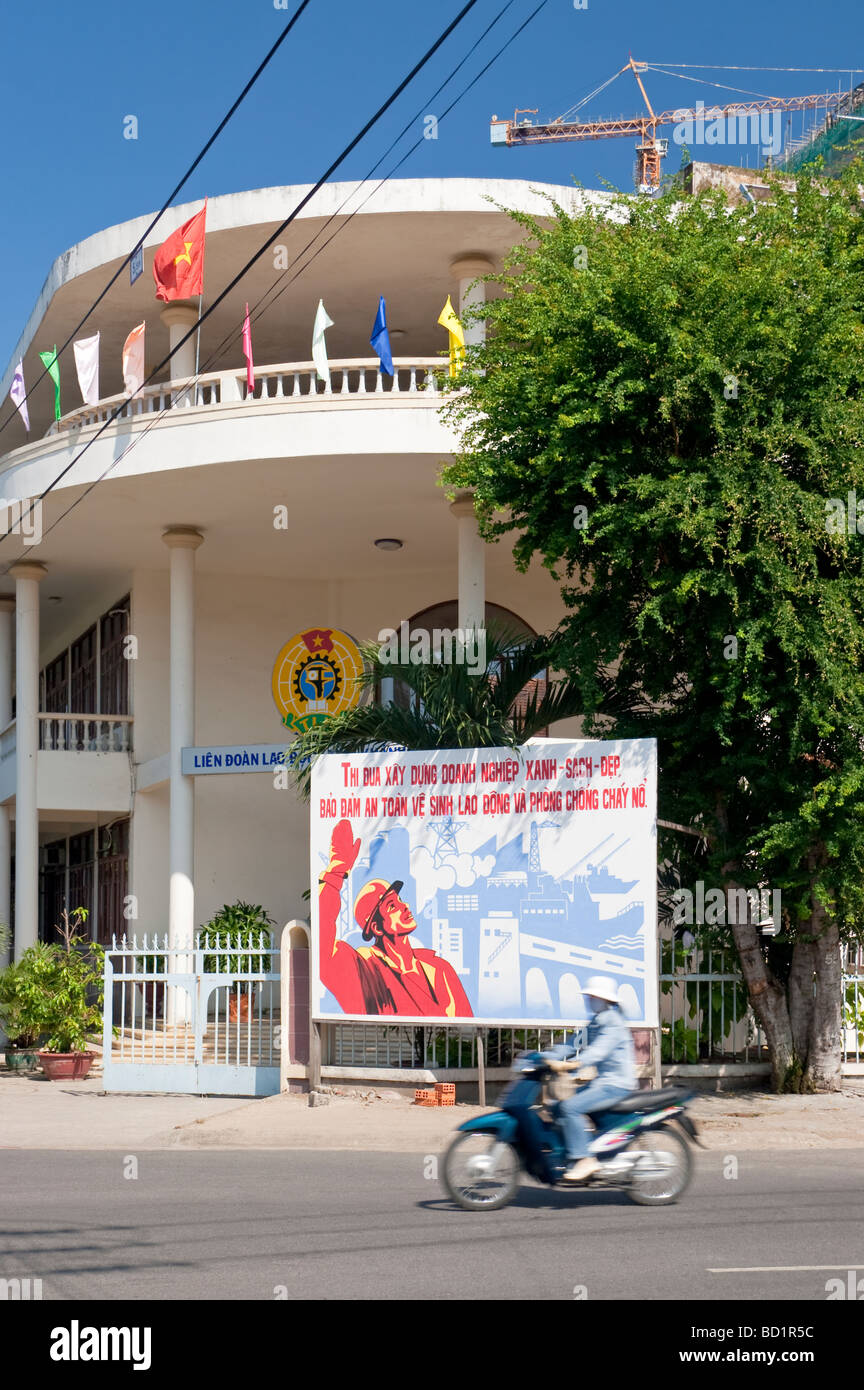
(247, 353)
(133, 360)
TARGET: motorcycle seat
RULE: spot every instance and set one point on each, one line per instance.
(647, 1100)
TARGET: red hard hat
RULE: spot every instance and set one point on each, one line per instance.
(371, 895)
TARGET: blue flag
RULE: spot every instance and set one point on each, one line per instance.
(380, 340)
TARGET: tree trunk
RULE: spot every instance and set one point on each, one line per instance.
(801, 998)
(769, 1005)
(825, 1054)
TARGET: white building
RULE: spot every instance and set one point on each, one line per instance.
(172, 541)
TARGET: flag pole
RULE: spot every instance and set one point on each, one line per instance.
(200, 304)
(198, 340)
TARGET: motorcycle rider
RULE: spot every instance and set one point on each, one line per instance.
(609, 1064)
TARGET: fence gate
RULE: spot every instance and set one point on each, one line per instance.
(201, 1020)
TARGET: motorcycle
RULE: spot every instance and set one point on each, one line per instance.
(642, 1143)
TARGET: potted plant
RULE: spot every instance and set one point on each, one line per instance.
(231, 939)
(17, 1015)
(66, 981)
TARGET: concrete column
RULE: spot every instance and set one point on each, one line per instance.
(7, 628)
(472, 565)
(27, 575)
(465, 270)
(182, 541)
(179, 317)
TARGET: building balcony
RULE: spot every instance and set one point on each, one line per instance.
(83, 762)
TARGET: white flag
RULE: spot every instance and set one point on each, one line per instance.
(319, 347)
(87, 366)
(18, 392)
(133, 360)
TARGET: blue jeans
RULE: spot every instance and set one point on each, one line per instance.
(597, 1095)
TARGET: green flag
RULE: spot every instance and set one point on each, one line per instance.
(52, 367)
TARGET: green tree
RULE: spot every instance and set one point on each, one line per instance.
(671, 394)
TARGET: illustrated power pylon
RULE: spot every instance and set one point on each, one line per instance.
(534, 851)
(445, 838)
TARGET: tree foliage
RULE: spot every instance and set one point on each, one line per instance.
(691, 376)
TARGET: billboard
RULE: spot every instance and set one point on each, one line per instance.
(484, 884)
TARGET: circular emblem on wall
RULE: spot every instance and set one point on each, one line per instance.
(316, 675)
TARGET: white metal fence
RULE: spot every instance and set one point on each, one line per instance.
(705, 1015)
(200, 1019)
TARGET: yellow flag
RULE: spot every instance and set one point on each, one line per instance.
(447, 319)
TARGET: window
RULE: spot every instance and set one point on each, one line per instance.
(445, 618)
(92, 675)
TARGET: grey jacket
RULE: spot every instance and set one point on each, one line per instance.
(610, 1049)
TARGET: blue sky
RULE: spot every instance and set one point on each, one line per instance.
(73, 73)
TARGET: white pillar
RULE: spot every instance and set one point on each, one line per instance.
(7, 609)
(472, 565)
(27, 575)
(466, 270)
(179, 317)
(182, 541)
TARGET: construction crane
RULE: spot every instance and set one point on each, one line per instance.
(650, 150)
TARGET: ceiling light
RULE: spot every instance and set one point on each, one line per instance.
(388, 543)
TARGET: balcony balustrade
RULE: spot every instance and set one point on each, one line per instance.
(416, 381)
(85, 733)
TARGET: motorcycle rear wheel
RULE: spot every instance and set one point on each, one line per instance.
(481, 1171)
(660, 1189)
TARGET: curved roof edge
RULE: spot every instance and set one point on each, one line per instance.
(265, 205)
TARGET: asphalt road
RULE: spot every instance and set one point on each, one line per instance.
(258, 1225)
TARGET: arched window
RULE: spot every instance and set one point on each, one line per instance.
(445, 618)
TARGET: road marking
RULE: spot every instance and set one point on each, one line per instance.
(779, 1269)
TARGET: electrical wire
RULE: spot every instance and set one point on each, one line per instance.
(171, 196)
(273, 292)
(395, 94)
(180, 390)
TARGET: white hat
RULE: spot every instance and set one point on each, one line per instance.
(602, 987)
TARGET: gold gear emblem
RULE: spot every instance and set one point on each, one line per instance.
(315, 675)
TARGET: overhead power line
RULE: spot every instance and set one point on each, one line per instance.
(340, 159)
(172, 195)
(183, 387)
(342, 225)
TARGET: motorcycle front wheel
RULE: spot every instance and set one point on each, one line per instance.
(663, 1167)
(481, 1171)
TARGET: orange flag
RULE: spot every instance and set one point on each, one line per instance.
(178, 266)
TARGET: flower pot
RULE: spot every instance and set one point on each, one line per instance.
(239, 1007)
(22, 1060)
(66, 1066)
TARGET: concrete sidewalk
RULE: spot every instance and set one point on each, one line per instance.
(39, 1114)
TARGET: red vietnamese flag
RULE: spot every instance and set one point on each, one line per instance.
(178, 266)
